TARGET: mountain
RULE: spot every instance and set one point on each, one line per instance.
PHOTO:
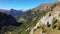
(16, 13)
(13, 12)
(37, 11)
(31, 17)
(8, 23)
(44, 7)
(50, 23)
(43, 19)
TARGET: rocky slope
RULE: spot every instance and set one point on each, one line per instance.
(44, 7)
(47, 20)
(36, 17)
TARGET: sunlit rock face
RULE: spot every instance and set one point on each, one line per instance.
(48, 19)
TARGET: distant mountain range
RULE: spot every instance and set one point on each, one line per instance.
(13, 12)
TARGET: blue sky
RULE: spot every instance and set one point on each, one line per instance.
(21, 4)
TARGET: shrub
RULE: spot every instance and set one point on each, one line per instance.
(59, 14)
(49, 14)
(54, 26)
(43, 30)
(59, 28)
(54, 21)
(58, 3)
(38, 27)
(48, 25)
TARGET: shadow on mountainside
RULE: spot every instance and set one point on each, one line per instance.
(8, 23)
